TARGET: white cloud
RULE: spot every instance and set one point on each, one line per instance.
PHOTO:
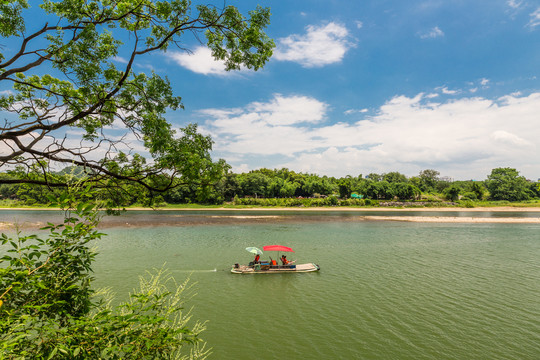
(535, 19)
(359, 24)
(289, 110)
(120, 59)
(320, 46)
(507, 138)
(447, 91)
(274, 127)
(200, 61)
(464, 137)
(355, 111)
(514, 4)
(432, 34)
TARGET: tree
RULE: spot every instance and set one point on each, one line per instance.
(379, 190)
(428, 179)
(506, 184)
(64, 77)
(374, 177)
(345, 187)
(254, 183)
(405, 191)
(478, 189)
(64, 80)
(452, 192)
(316, 185)
(395, 177)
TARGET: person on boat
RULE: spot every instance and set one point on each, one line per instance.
(257, 257)
(284, 260)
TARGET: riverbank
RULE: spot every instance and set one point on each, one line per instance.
(321, 209)
(22, 218)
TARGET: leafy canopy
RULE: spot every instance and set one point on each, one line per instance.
(70, 71)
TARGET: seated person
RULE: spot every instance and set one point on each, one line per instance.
(284, 260)
(257, 257)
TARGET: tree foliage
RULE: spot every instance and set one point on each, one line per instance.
(48, 308)
(65, 78)
(75, 102)
(428, 179)
(271, 184)
(506, 184)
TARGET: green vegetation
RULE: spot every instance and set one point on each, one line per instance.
(75, 74)
(48, 308)
(286, 188)
(74, 102)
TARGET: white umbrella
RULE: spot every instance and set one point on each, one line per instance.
(254, 250)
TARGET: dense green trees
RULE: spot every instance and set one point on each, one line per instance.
(64, 75)
(506, 184)
(67, 67)
(283, 183)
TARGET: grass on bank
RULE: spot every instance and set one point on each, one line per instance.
(250, 203)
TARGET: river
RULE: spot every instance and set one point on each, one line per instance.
(386, 289)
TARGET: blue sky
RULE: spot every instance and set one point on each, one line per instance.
(356, 87)
(378, 86)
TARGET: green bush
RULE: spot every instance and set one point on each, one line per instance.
(469, 196)
(48, 308)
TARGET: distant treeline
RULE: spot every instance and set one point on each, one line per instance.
(284, 187)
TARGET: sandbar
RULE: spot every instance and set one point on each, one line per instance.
(196, 217)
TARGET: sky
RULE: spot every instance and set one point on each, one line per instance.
(377, 86)
(359, 87)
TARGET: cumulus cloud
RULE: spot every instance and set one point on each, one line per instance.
(507, 138)
(273, 127)
(321, 45)
(200, 61)
(432, 34)
(464, 137)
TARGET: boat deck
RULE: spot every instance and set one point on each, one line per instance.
(275, 269)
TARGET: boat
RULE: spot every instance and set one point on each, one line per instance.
(271, 266)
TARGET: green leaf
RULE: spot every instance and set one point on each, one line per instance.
(53, 353)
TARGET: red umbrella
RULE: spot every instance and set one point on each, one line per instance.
(277, 248)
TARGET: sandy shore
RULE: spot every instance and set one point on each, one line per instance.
(271, 215)
(457, 219)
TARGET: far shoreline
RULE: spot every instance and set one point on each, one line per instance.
(301, 209)
(249, 215)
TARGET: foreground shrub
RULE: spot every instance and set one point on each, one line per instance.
(49, 310)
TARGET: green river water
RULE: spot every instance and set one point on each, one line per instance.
(386, 289)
